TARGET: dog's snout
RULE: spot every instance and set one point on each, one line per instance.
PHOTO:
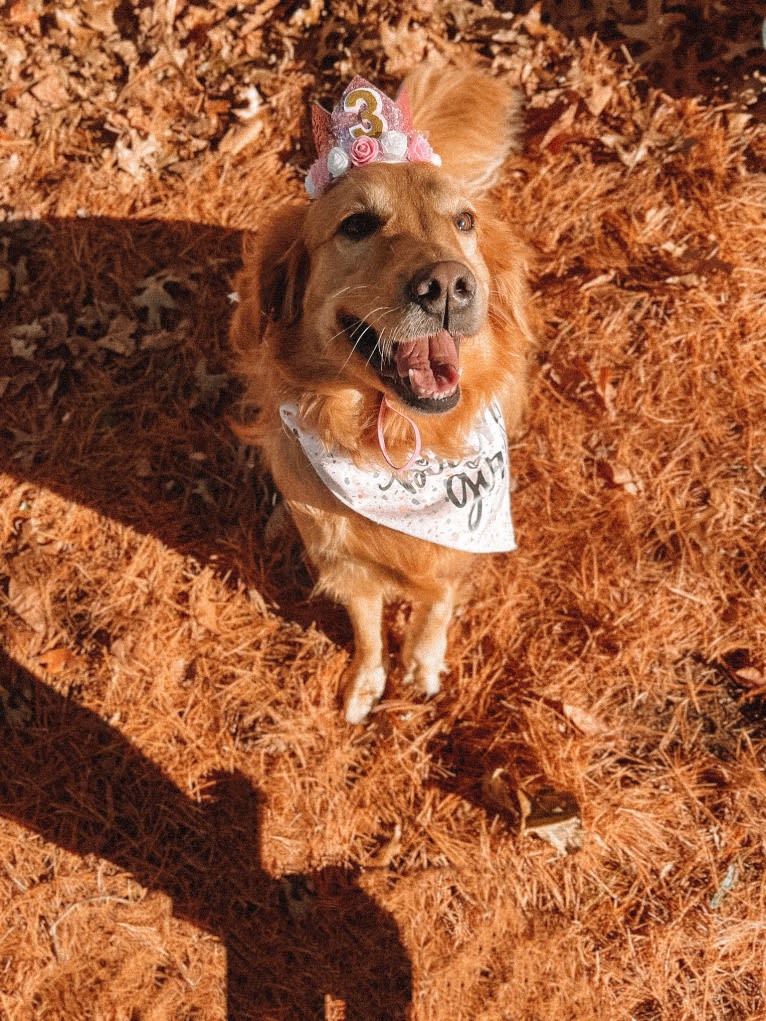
(443, 286)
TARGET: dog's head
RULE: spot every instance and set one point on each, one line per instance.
(394, 281)
(398, 280)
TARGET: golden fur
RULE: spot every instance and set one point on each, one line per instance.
(302, 275)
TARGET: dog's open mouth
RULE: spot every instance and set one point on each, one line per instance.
(423, 371)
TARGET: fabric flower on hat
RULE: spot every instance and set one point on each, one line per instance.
(394, 145)
(337, 161)
(364, 150)
(419, 151)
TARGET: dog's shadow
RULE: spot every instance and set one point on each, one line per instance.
(115, 389)
(290, 943)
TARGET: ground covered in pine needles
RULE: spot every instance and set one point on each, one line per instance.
(189, 829)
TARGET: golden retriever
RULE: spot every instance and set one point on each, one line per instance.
(383, 329)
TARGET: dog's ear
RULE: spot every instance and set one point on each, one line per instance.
(472, 120)
(271, 284)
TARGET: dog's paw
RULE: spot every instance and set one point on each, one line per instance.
(425, 678)
(364, 691)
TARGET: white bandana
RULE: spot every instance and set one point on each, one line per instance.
(463, 504)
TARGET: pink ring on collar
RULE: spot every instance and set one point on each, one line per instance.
(384, 407)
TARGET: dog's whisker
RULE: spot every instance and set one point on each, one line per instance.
(377, 347)
(365, 327)
(384, 345)
(401, 331)
(349, 288)
(372, 322)
(340, 333)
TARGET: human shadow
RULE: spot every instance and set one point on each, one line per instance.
(78, 782)
(115, 390)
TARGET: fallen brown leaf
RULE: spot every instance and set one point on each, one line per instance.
(751, 677)
(26, 601)
(584, 721)
(55, 660)
(552, 815)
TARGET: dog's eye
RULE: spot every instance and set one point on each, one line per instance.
(465, 221)
(359, 226)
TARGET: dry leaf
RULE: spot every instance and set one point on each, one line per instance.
(599, 281)
(685, 280)
(552, 815)
(210, 384)
(16, 706)
(154, 297)
(498, 792)
(299, 895)
(751, 677)
(599, 99)
(51, 91)
(334, 1009)
(26, 601)
(119, 337)
(561, 128)
(237, 139)
(23, 14)
(56, 660)
(726, 885)
(584, 721)
(619, 476)
(99, 15)
(205, 611)
(307, 17)
(24, 339)
(254, 102)
(137, 156)
(386, 854)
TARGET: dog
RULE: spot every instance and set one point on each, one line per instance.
(383, 330)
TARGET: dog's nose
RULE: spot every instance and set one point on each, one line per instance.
(443, 286)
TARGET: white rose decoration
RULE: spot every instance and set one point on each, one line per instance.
(337, 161)
(394, 145)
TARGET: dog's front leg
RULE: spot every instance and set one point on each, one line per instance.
(426, 645)
(367, 675)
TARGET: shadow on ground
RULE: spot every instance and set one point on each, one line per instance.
(78, 782)
(115, 376)
(116, 389)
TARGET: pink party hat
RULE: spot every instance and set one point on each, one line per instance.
(364, 127)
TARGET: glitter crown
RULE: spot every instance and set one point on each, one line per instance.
(365, 127)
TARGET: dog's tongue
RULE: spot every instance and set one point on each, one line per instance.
(430, 364)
